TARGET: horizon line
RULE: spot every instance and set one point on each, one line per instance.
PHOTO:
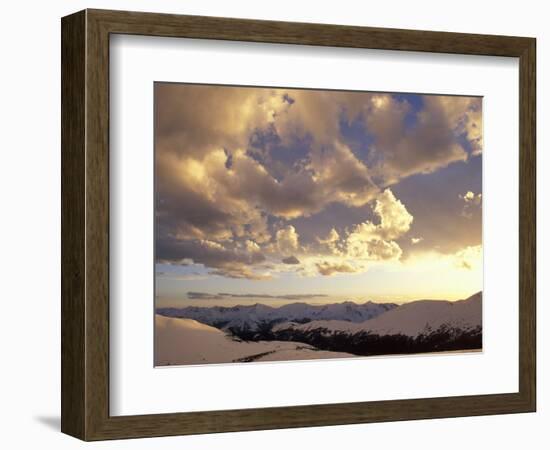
(320, 304)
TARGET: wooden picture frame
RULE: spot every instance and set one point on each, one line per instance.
(85, 224)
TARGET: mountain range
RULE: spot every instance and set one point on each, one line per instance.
(416, 327)
(257, 316)
(347, 328)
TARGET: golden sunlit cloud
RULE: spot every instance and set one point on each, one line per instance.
(259, 184)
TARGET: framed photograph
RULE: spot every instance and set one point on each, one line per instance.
(273, 225)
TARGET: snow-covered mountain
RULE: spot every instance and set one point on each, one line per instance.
(420, 326)
(410, 319)
(186, 341)
(196, 335)
(258, 316)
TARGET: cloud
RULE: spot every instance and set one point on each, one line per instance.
(229, 262)
(472, 202)
(343, 253)
(353, 250)
(195, 201)
(238, 270)
(203, 296)
(473, 128)
(362, 244)
(237, 168)
(192, 119)
(402, 149)
(291, 260)
(415, 240)
(469, 258)
(203, 199)
(251, 246)
(395, 220)
(327, 268)
(332, 242)
(377, 241)
(342, 176)
(181, 277)
(471, 199)
(464, 115)
(287, 240)
(224, 295)
(315, 114)
(431, 143)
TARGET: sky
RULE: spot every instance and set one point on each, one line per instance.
(277, 195)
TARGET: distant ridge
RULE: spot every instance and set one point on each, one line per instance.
(252, 317)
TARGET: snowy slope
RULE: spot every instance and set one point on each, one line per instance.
(250, 316)
(411, 319)
(186, 341)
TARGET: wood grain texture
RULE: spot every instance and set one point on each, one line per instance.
(527, 223)
(201, 27)
(73, 226)
(85, 224)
